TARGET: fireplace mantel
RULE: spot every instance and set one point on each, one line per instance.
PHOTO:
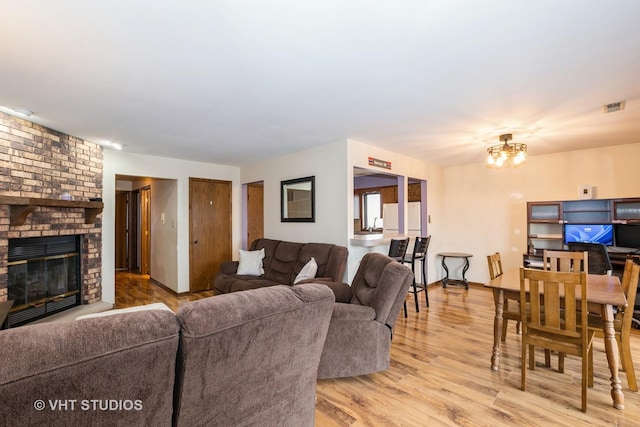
(21, 207)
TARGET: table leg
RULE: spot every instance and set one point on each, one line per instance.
(611, 348)
(498, 299)
(464, 270)
(446, 273)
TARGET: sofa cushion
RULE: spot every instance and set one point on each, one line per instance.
(251, 262)
(308, 271)
(283, 263)
(269, 246)
(321, 252)
(251, 358)
(130, 357)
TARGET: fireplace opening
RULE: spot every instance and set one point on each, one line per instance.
(43, 277)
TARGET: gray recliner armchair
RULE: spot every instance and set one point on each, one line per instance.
(359, 337)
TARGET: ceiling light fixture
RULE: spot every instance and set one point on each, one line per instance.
(114, 145)
(506, 154)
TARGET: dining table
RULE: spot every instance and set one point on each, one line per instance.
(603, 293)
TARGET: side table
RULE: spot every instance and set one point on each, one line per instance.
(446, 280)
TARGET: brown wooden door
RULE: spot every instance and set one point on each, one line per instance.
(255, 211)
(122, 227)
(209, 230)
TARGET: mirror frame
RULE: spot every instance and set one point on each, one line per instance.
(283, 199)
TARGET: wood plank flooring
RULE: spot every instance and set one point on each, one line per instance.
(440, 372)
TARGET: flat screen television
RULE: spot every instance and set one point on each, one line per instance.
(589, 233)
(627, 235)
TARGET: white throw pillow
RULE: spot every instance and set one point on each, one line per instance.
(154, 306)
(308, 271)
(251, 263)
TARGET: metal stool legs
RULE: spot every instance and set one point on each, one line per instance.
(415, 286)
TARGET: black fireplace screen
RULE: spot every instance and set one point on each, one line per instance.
(43, 276)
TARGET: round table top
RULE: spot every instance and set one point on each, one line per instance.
(455, 254)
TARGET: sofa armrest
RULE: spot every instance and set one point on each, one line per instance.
(391, 292)
(229, 267)
(352, 312)
(341, 291)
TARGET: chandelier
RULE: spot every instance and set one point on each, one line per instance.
(506, 154)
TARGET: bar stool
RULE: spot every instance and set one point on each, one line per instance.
(420, 248)
(398, 251)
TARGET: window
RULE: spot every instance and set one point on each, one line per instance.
(372, 210)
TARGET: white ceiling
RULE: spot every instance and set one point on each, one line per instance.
(236, 81)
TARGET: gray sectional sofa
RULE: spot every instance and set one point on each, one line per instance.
(243, 359)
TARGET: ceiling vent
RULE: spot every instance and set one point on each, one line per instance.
(613, 107)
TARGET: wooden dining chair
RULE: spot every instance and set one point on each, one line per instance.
(551, 321)
(622, 321)
(565, 261)
(511, 308)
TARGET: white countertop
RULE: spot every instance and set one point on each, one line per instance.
(375, 239)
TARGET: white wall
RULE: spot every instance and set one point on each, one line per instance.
(486, 208)
(172, 258)
(328, 164)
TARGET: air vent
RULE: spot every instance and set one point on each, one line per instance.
(613, 107)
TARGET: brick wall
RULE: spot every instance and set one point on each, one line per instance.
(39, 162)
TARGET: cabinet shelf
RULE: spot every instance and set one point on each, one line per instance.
(545, 236)
(21, 207)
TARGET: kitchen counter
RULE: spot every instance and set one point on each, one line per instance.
(375, 239)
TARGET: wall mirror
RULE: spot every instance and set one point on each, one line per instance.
(298, 200)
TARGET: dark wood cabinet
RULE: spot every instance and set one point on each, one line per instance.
(545, 224)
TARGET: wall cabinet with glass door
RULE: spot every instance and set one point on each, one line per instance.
(626, 210)
(544, 225)
(587, 211)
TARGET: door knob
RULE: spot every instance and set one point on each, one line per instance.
(195, 242)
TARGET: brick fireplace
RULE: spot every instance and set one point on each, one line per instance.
(47, 179)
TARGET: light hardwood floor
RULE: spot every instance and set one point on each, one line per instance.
(440, 372)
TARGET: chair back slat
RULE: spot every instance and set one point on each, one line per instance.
(398, 248)
(420, 247)
(566, 261)
(495, 265)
